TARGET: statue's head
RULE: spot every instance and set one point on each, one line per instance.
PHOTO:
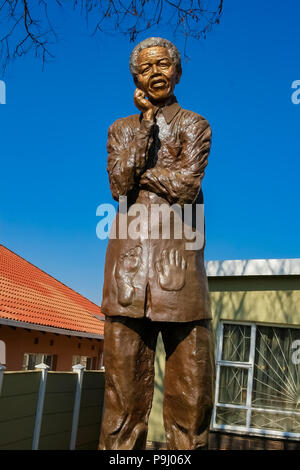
(155, 65)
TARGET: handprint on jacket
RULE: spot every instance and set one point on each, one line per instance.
(171, 270)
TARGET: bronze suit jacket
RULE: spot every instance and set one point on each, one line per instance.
(149, 276)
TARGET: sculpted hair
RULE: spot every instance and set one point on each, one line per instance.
(152, 42)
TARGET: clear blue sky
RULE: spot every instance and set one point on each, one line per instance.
(54, 128)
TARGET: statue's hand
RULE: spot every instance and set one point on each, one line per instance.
(143, 105)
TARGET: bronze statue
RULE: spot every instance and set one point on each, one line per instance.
(152, 284)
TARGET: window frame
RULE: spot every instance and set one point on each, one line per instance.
(37, 362)
(247, 429)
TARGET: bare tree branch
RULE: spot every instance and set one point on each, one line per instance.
(24, 33)
(28, 27)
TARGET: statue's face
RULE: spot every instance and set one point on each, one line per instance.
(157, 74)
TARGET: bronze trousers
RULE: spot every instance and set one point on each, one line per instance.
(129, 352)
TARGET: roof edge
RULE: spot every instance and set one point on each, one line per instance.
(49, 329)
(253, 267)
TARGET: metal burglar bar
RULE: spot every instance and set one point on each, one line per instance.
(254, 377)
(79, 368)
(40, 405)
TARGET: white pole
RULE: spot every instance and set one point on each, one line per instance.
(79, 368)
(2, 353)
(40, 405)
(2, 369)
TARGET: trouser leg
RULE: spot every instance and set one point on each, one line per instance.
(129, 350)
(189, 383)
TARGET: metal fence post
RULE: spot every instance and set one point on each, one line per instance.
(40, 405)
(2, 369)
(79, 368)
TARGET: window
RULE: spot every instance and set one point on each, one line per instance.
(31, 360)
(258, 380)
(85, 361)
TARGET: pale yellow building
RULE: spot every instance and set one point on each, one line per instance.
(256, 318)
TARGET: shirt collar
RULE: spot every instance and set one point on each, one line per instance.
(170, 110)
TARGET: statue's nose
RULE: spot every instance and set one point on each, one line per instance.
(154, 68)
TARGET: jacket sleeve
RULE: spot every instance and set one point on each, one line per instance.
(181, 183)
(126, 155)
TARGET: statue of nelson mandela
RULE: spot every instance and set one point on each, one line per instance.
(156, 285)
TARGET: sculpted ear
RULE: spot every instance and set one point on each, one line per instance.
(135, 79)
(179, 72)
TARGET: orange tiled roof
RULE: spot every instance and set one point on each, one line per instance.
(30, 295)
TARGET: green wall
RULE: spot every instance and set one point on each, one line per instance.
(18, 402)
(265, 299)
(91, 407)
(58, 411)
(156, 430)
